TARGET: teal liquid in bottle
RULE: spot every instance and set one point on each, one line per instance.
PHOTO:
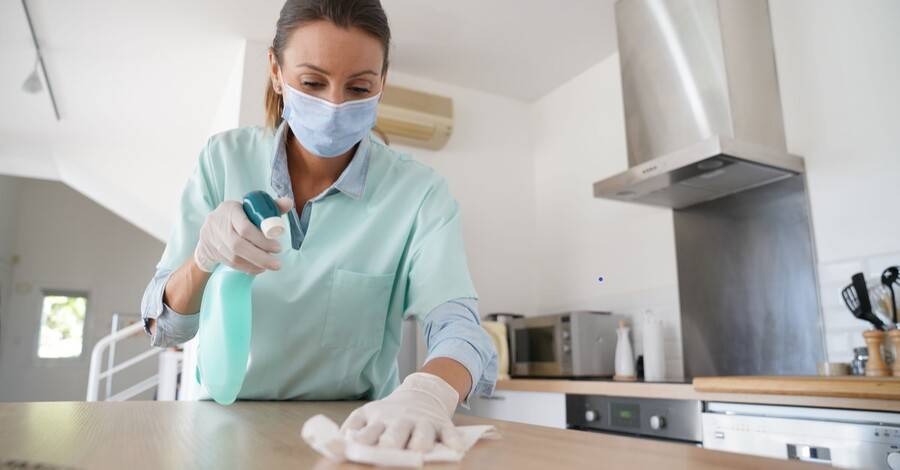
(226, 312)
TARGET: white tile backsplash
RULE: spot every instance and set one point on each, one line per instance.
(839, 272)
(843, 332)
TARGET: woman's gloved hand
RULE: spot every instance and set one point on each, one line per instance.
(414, 416)
(229, 237)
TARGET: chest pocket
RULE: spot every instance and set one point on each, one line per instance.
(357, 309)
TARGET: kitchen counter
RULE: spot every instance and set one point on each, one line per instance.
(859, 393)
(887, 388)
(160, 435)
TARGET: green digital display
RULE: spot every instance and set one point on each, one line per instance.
(625, 415)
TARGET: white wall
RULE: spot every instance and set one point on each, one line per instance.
(578, 138)
(66, 241)
(839, 70)
(228, 112)
(254, 82)
(242, 103)
(488, 164)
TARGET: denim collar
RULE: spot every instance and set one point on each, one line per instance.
(351, 182)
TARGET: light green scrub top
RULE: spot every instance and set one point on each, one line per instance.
(327, 325)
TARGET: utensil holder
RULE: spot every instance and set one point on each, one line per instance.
(875, 367)
(894, 337)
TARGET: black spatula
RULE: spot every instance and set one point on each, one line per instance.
(856, 296)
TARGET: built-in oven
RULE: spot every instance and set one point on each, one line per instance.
(571, 344)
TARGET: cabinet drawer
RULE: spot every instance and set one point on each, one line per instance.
(540, 408)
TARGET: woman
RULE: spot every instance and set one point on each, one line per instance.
(374, 238)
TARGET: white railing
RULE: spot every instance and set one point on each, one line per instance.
(165, 379)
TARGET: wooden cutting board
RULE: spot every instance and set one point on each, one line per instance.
(886, 388)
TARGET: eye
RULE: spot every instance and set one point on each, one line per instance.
(359, 90)
(312, 84)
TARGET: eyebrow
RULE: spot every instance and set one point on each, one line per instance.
(325, 72)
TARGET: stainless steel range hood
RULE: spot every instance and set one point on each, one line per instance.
(702, 107)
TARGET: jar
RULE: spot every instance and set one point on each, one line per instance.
(858, 364)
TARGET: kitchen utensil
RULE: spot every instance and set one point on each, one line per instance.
(856, 297)
(833, 369)
(860, 357)
(894, 337)
(889, 278)
(880, 298)
(875, 367)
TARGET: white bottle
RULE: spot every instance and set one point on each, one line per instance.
(654, 359)
(624, 354)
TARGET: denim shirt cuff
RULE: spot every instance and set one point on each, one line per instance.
(174, 328)
(171, 327)
(460, 350)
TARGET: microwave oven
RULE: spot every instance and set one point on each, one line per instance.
(571, 344)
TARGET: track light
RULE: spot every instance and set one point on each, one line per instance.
(33, 83)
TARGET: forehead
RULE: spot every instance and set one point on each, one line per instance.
(335, 49)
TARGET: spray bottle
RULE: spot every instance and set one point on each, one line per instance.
(226, 312)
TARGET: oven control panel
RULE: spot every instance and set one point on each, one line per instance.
(660, 418)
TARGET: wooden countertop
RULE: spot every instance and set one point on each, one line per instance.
(774, 391)
(887, 388)
(162, 435)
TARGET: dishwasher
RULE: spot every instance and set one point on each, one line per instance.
(841, 438)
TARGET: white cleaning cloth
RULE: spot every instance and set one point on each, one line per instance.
(324, 435)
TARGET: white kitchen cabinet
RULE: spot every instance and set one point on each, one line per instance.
(540, 408)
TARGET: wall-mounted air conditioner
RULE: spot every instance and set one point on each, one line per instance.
(414, 118)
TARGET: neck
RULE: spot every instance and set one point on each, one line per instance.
(314, 169)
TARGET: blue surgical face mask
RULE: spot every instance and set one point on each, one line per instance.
(324, 128)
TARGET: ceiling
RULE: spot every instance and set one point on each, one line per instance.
(138, 79)
(517, 48)
(521, 49)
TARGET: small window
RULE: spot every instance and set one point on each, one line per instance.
(62, 325)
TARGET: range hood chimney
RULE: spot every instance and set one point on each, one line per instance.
(702, 108)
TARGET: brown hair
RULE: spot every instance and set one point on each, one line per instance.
(367, 15)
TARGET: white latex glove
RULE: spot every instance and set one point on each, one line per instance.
(229, 237)
(414, 416)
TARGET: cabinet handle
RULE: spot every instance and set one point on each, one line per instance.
(809, 453)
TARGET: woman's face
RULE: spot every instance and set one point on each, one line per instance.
(330, 62)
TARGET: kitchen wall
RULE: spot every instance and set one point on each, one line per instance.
(9, 191)
(66, 241)
(838, 69)
(579, 137)
(489, 167)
